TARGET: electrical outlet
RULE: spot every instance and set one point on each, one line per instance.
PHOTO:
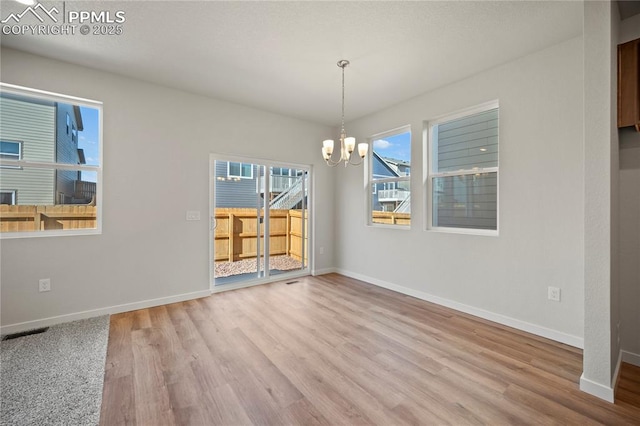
(553, 293)
(321, 250)
(44, 285)
(193, 215)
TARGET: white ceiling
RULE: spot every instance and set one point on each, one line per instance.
(628, 8)
(281, 56)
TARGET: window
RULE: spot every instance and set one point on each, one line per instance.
(282, 171)
(239, 170)
(8, 197)
(58, 193)
(389, 177)
(10, 150)
(463, 173)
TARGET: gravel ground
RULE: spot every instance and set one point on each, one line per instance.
(247, 266)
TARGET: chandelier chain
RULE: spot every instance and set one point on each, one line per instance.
(342, 129)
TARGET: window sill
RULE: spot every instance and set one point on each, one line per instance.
(389, 226)
(466, 231)
(53, 233)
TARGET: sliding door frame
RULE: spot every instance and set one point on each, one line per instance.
(265, 165)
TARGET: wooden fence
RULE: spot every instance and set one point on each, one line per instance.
(236, 231)
(391, 218)
(43, 218)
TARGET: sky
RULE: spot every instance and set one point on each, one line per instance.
(396, 146)
(88, 140)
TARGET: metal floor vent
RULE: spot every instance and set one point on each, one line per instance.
(292, 282)
(25, 333)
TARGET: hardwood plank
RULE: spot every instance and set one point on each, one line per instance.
(118, 403)
(119, 362)
(334, 350)
(152, 404)
(628, 390)
(544, 405)
(141, 319)
(225, 408)
(302, 412)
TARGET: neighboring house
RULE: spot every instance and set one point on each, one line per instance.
(40, 131)
(241, 185)
(68, 124)
(236, 185)
(471, 143)
(388, 196)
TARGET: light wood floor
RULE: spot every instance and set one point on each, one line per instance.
(333, 350)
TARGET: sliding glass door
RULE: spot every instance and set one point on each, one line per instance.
(258, 207)
(287, 206)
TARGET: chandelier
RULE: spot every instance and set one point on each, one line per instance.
(347, 144)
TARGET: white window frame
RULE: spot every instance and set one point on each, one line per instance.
(371, 181)
(430, 161)
(232, 176)
(56, 97)
(19, 154)
(13, 195)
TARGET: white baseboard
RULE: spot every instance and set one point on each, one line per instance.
(548, 333)
(616, 375)
(631, 358)
(596, 389)
(46, 322)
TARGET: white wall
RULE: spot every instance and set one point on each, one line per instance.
(157, 143)
(630, 224)
(615, 190)
(601, 211)
(541, 202)
(630, 244)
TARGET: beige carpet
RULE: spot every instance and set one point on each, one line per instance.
(54, 378)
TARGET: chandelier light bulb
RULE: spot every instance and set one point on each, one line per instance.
(362, 149)
(328, 146)
(350, 144)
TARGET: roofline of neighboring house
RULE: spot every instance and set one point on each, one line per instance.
(396, 162)
(386, 164)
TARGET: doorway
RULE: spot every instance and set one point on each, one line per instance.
(258, 207)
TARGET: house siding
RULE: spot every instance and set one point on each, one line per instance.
(235, 193)
(470, 201)
(459, 142)
(66, 152)
(380, 171)
(34, 126)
